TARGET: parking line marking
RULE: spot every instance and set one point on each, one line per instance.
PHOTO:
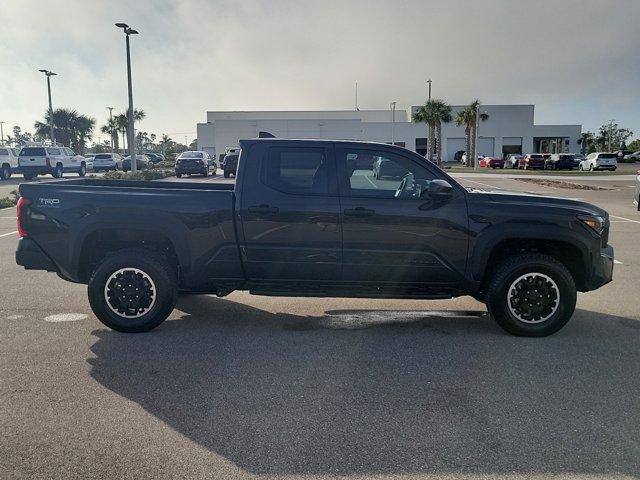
(483, 184)
(7, 234)
(626, 219)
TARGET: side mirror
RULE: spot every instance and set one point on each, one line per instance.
(439, 189)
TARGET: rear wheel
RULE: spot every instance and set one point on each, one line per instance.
(179, 175)
(5, 172)
(83, 170)
(57, 171)
(29, 176)
(531, 295)
(226, 174)
(133, 291)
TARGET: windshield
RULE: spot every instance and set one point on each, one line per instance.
(103, 156)
(191, 155)
(32, 152)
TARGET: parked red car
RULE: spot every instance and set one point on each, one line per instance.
(491, 162)
(532, 160)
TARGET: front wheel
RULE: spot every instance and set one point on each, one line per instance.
(83, 170)
(531, 295)
(133, 290)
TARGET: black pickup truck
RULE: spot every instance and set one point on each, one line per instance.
(311, 218)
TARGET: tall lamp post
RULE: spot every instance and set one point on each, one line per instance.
(429, 82)
(130, 131)
(111, 126)
(393, 122)
(1, 134)
(50, 74)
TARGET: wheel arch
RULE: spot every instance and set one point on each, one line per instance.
(568, 250)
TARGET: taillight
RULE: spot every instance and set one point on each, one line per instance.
(48, 161)
(22, 203)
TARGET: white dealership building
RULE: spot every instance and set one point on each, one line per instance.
(509, 129)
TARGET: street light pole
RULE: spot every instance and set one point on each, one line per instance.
(429, 82)
(111, 126)
(393, 122)
(1, 134)
(130, 130)
(475, 142)
(50, 74)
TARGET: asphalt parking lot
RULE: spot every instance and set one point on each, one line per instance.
(259, 387)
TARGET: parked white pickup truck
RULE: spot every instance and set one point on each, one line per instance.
(8, 161)
(56, 161)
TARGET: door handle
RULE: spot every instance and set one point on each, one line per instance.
(359, 212)
(263, 209)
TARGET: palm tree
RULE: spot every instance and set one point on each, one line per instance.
(122, 120)
(433, 113)
(111, 128)
(468, 118)
(585, 141)
(70, 128)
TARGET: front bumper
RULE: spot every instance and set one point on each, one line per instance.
(30, 256)
(601, 270)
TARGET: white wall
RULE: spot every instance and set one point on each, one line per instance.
(227, 128)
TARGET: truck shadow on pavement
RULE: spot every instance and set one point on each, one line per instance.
(370, 392)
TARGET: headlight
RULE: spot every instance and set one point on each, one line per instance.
(595, 222)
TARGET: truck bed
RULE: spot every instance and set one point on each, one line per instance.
(73, 220)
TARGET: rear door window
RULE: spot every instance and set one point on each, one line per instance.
(32, 152)
(4, 151)
(296, 170)
(54, 151)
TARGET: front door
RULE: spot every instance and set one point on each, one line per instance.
(290, 213)
(393, 232)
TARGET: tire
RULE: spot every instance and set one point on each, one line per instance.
(83, 170)
(226, 174)
(205, 172)
(151, 271)
(554, 280)
(57, 171)
(580, 168)
(591, 167)
(5, 172)
(179, 175)
(29, 176)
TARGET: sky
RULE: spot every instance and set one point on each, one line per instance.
(578, 61)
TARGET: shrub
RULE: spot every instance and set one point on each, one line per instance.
(150, 174)
(11, 200)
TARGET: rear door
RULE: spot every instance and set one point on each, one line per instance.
(290, 213)
(392, 233)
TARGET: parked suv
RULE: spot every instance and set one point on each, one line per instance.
(55, 161)
(8, 162)
(559, 161)
(532, 160)
(512, 160)
(107, 161)
(230, 164)
(599, 161)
